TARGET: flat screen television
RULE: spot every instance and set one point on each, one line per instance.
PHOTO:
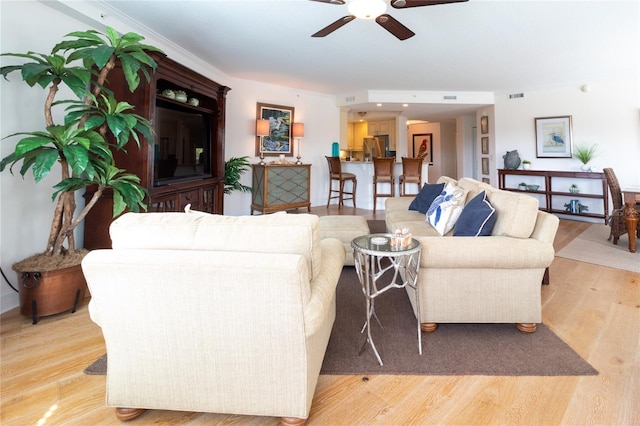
(182, 148)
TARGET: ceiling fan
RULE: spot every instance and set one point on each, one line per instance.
(374, 9)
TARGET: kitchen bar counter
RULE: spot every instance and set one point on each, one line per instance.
(364, 173)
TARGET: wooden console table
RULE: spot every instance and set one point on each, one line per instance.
(549, 192)
(277, 187)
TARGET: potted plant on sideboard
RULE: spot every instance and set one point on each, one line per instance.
(585, 153)
(94, 123)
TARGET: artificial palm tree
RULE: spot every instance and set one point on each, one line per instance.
(94, 124)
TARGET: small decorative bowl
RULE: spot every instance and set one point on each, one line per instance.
(181, 96)
(533, 187)
(378, 240)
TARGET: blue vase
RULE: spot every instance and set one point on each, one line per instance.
(335, 149)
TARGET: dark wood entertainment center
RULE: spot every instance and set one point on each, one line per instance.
(205, 191)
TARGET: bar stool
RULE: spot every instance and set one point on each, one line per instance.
(336, 174)
(382, 173)
(411, 173)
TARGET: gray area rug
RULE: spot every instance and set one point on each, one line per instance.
(454, 349)
(593, 246)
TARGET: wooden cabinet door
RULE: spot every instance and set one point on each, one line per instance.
(373, 128)
(360, 132)
(383, 128)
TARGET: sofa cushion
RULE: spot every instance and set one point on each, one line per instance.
(472, 186)
(425, 197)
(273, 233)
(516, 214)
(446, 208)
(477, 218)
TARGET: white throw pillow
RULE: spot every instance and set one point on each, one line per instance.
(446, 208)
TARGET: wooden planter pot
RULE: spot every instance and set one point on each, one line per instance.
(51, 292)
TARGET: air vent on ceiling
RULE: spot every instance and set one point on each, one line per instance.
(449, 97)
(516, 95)
(350, 99)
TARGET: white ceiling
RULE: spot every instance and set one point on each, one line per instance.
(478, 46)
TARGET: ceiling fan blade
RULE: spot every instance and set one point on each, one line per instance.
(403, 4)
(331, 1)
(334, 26)
(392, 25)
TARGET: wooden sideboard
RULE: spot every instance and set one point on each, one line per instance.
(277, 187)
(550, 191)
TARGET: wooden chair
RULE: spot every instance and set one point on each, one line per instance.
(616, 220)
(383, 173)
(411, 173)
(336, 175)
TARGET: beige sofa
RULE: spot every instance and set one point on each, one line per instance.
(490, 279)
(215, 314)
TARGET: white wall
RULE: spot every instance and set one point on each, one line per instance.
(466, 145)
(608, 114)
(448, 146)
(321, 120)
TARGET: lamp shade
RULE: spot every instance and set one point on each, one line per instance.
(298, 130)
(262, 127)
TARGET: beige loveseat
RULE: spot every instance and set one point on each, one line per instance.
(215, 314)
(488, 279)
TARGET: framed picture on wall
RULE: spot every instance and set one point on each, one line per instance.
(554, 137)
(484, 124)
(485, 144)
(279, 140)
(423, 146)
(485, 165)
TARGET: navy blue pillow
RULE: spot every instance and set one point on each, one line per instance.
(425, 197)
(477, 218)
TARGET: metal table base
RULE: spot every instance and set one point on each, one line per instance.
(372, 262)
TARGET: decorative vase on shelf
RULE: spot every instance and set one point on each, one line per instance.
(511, 160)
(181, 96)
(526, 166)
(585, 168)
(574, 189)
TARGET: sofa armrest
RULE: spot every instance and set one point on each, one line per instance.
(323, 287)
(485, 252)
(546, 227)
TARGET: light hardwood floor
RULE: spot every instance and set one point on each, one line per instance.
(595, 309)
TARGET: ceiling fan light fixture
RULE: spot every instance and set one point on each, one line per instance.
(367, 9)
